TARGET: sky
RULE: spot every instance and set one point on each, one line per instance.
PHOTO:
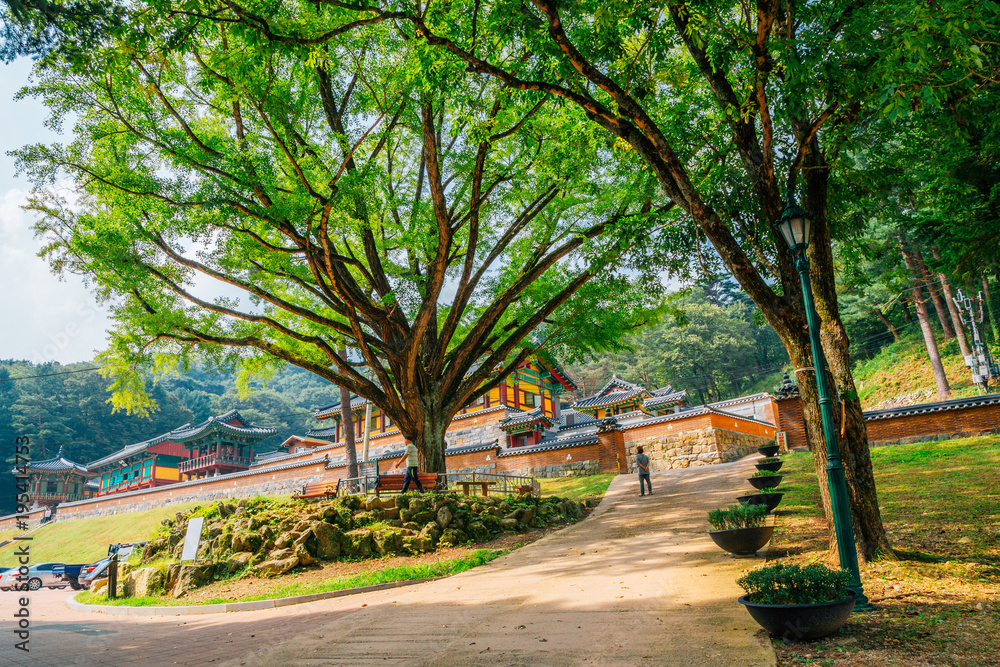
(46, 318)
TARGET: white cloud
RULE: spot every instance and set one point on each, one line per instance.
(45, 318)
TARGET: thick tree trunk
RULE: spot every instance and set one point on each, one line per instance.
(933, 286)
(923, 316)
(956, 319)
(347, 429)
(431, 441)
(888, 325)
(870, 537)
(907, 315)
(989, 309)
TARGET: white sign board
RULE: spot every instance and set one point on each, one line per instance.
(192, 538)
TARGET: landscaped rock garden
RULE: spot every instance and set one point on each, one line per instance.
(268, 537)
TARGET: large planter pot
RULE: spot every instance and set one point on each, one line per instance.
(771, 500)
(773, 467)
(770, 450)
(742, 541)
(801, 622)
(763, 482)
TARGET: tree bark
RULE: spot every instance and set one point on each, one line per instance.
(933, 287)
(431, 442)
(888, 325)
(870, 536)
(347, 427)
(989, 308)
(923, 316)
(956, 319)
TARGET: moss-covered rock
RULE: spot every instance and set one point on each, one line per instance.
(453, 537)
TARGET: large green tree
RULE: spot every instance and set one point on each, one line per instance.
(253, 201)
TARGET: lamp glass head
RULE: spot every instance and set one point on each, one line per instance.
(795, 225)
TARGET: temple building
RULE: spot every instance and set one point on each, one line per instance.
(217, 446)
(619, 398)
(57, 480)
(534, 388)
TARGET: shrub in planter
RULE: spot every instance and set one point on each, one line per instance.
(770, 449)
(763, 479)
(767, 497)
(798, 603)
(772, 463)
(740, 530)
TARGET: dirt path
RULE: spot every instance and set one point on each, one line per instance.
(638, 582)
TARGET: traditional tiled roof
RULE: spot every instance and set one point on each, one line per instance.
(57, 464)
(615, 392)
(664, 399)
(556, 371)
(333, 409)
(188, 432)
(547, 445)
(741, 399)
(523, 418)
(937, 406)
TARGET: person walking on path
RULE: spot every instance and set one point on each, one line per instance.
(642, 466)
(410, 456)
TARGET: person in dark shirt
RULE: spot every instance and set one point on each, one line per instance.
(642, 467)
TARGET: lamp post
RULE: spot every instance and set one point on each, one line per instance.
(796, 228)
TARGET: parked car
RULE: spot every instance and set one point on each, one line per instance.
(39, 576)
(2, 570)
(69, 574)
(99, 570)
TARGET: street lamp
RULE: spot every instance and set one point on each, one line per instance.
(796, 227)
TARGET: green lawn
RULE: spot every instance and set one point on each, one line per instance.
(577, 488)
(935, 596)
(87, 540)
(442, 568)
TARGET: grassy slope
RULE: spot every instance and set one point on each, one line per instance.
(903, 368)
(936, 604)
(87, 540)
(577, 488)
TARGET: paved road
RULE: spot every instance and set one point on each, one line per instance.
(638, 582)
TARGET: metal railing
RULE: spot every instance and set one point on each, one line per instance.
(212, 459)
(498, 483)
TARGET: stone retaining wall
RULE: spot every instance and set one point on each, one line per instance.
(701, 447)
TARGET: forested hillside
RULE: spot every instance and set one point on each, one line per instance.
(67, 406)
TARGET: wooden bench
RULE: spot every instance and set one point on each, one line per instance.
(484, 486)
(318, 490)
(394, 483)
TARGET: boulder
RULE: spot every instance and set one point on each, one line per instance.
(412, 525)
(444, 516)
(327, 540)
(303, 555)
(285, 540)
(192, 576)
(239, 561)
(360, 541)
(478, 532)
(453, 537)
(271, 568)
(391, 514)
(224, 510)
(281, 554)
(416, 544)
(145, 582)
(99, 586)
(418, 505)
(508, 524)
(432, 531)
(388, 541)
(302, 526)
(246, 541)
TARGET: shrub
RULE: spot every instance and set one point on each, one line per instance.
(766, 473)
(738, 516)
(794, 584)
(769, 459)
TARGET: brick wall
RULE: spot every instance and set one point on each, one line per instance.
(565, 462)
(941, 425)
(934, 424)
(792, 421)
